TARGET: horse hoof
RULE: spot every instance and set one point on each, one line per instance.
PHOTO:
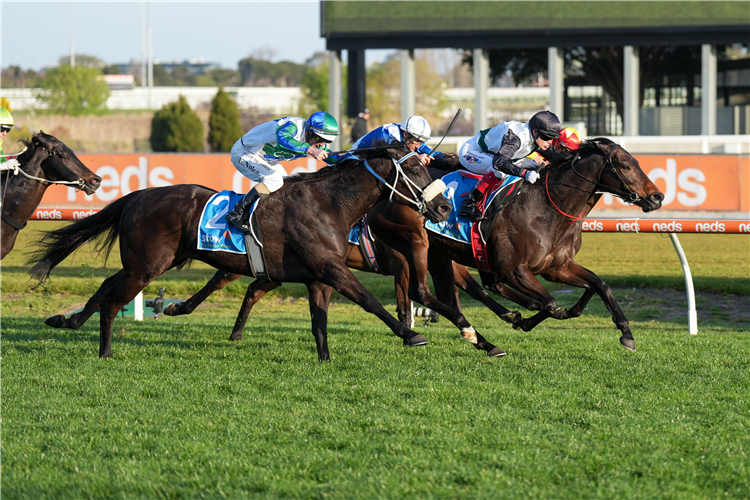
(56, 321)
(171, 309)
(416, 340)
(512, 317)
(496, 353)
(628, 343)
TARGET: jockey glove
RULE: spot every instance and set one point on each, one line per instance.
(531, 176)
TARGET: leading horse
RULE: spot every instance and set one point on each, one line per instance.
(45, 161)
(539, 233)
(304, 225)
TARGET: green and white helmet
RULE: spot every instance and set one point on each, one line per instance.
(6, 118)
(324, 125)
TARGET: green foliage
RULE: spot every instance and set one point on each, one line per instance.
(13, 77)
(262, 73)
(74, 91)
(83, 60)
(314, 86)
(224, 122)
(176, 128)
(384, 84)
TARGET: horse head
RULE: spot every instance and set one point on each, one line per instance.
(59, 163)
(621, 175)
(411, 183)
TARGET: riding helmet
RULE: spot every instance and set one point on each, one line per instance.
(570, 138)
(417, 127)
(324, 125)
(546, 123)
(5, 117)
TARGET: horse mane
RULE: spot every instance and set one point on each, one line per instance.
(588, 147)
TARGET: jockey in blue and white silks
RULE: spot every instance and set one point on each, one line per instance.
(414, 132)
(257, 154)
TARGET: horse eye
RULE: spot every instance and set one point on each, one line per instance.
(624, 166)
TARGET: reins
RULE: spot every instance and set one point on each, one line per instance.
(17, 169)
(417, 199)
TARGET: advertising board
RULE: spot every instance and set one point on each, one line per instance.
(689, 182)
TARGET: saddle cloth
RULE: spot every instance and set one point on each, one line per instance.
(457, 186)
(214, 233)
(361, 236)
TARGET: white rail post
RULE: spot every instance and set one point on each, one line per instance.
(138, 309)
(692, 313)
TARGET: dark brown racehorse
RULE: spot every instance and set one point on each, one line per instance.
(539, 233)
(45, 161)
(304, 225)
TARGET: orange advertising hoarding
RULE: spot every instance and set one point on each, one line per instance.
(689, 182)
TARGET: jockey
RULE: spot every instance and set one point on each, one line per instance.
(6, 124)
(413, 133)
(503, 150)
(257, 155)
(569, 140)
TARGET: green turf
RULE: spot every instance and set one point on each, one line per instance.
(181, 412)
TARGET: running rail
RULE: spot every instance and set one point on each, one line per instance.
(669, 226)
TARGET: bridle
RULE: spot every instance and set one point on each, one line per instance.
(419, 199)
(628, 196)
(80, 183)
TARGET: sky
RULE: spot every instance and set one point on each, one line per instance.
(36, 34)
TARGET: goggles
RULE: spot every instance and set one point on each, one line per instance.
(6, 128)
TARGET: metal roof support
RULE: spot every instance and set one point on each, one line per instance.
(334, 92)
(481, 84)
(408, 84)
(556, 84)
(631, 98)
(708, 89)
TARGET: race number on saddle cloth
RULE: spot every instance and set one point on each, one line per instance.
(214, 234)
(467, 230)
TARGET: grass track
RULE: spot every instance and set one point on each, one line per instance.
(181, 412)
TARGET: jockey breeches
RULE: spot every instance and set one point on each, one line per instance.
(258, 169)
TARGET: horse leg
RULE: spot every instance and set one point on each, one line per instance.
(254, 293)
(442, 272)
(110, 304)
(92, 305)
(524, 281)
(217, 282)
(574, 275)
(468, 284)
(400, 269)
(320, 298)
(338, 276)
(490, 282)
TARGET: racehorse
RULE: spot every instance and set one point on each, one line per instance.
(44, 161)
(304, 225)
(539, 233)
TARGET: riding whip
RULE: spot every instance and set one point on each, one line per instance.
(458, 113)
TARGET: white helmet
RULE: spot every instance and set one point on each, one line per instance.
(417, 127)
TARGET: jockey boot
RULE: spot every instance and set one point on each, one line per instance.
(238, 217)
(469, 207)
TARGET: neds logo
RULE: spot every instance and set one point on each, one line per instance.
(593, 226)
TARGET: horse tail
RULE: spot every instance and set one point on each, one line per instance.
(56, 245)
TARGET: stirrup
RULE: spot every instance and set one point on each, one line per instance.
(470, 211)
(238, 222)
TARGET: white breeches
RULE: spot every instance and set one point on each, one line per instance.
(256, 168)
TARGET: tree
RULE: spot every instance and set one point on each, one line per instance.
(224, 122)
(176, 128)
(74, 91)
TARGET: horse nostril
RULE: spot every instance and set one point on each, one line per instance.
(659, 197)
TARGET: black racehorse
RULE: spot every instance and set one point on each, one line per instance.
(538, 234)
(45, 161)
(304, 224)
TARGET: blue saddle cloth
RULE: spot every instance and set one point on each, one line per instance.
(214, 234)
(355, 232)
(457, 187)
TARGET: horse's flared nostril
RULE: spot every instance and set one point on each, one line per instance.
(445, 208)
(658, 197)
